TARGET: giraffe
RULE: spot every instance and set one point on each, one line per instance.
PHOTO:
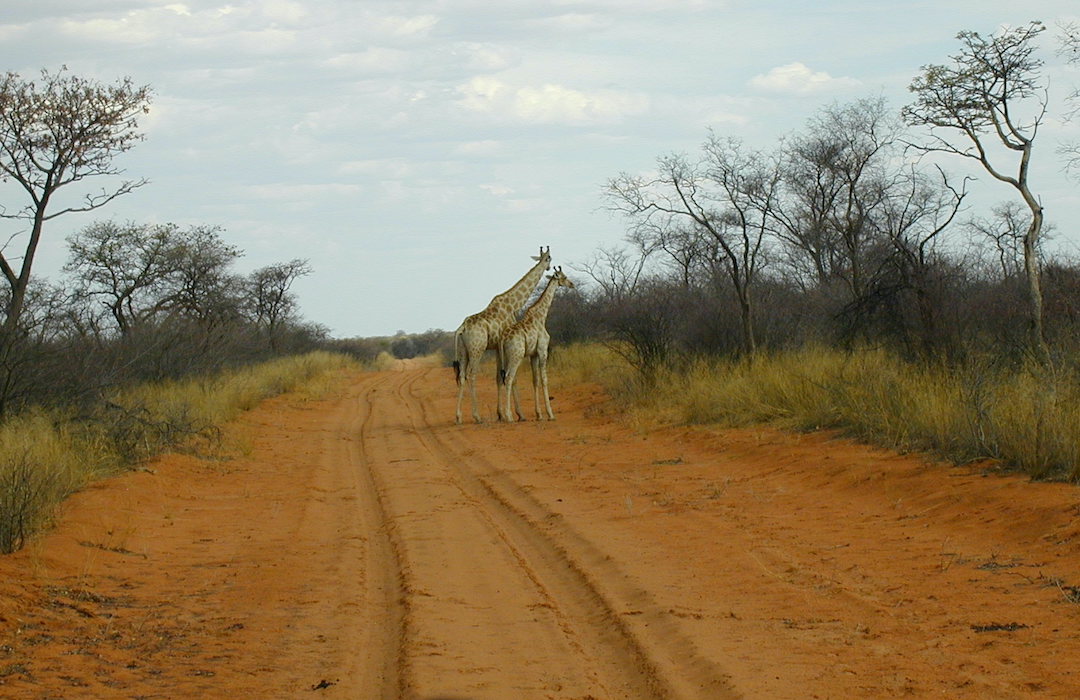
(528, 337)
(480, 332)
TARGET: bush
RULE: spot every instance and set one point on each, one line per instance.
(40, 464)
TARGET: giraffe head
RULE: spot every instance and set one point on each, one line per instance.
(561, 280)
(544, 257)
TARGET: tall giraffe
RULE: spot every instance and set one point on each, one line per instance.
(528, 337)
(480, 332)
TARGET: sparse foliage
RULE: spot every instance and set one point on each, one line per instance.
(124, 267)
(55, 132)
(713, 210)
(1069, 48)
(991, 95)
(272, 306)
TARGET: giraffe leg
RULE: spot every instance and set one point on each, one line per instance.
(513, 362)
(469, 370)
(498, 389)
(534, 362)
(461, 379)
(544, 386)
(508, 391)
(472, 393)
(502, 389)
(517, 400)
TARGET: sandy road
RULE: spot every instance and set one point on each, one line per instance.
(493, 603)
(364, 546)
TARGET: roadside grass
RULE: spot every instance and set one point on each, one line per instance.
(47, 455)
(1026, 418)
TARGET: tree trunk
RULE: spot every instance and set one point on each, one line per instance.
(747, 321)
(1036, 333)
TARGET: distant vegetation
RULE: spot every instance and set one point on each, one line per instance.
(401, 345)
(836, 281)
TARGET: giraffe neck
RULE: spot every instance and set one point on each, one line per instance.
(539, 310)
(515, 297)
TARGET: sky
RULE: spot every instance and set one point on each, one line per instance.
(417, 153)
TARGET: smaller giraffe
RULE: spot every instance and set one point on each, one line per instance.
(481, 331)
(528, 338)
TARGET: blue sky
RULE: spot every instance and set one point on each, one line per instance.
(417, 153)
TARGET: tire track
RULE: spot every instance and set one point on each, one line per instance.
(386, 666)
(641, 653)
(478, 622)
(583, 616)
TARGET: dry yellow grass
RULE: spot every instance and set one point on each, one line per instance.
(44, 456)
(1028, 418)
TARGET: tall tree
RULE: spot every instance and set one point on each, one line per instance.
(992, 95)
(56, 132)
(722, 198)
(837, 174)
(202, 285)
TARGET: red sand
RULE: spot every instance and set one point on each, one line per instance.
(364, 546)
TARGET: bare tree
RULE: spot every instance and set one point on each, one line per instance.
(982, 98)
(913, 220)
(837, 173)
(724, 198)
(1069, 48)
(615, 271)
(54, 133)
(1004, 230)
(202, 286)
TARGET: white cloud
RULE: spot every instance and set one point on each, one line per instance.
(574, 22)
(479, 148)
(482, 57)
(549, 103)
(267, 41)
(497, 190)
(9, 32)
(481, 93)
(301, 192)
(417, 26)
(132, 29)
(796, 78)
(283, 11)
(388, 168)
(375, 59)
(555, 103)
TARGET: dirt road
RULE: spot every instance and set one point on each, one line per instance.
(364, 546)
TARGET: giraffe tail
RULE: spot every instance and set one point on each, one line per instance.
(500, 376)
(457, 356)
